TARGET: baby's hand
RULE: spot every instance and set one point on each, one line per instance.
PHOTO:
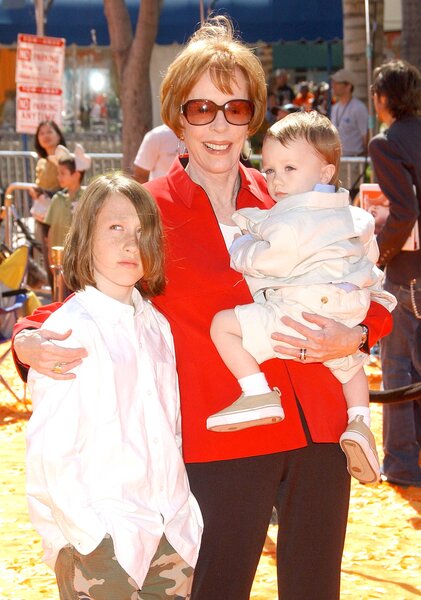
(239, 240)
(243, 232)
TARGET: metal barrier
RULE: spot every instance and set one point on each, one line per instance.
(102, 163)
(352, 171)
(20, 166)
(17, 166)
(12, 214)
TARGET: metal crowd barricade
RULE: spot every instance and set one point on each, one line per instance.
(11, 213)
(103, 163)
(18, 166)
(350, 174)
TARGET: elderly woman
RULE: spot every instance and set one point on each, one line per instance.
(214, 96)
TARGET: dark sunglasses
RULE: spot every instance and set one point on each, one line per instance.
(203, 112)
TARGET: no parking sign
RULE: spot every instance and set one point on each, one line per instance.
(39, 79)
(35, 104)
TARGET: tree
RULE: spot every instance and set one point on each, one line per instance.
(411, 26)
(132, 55)
(355, 42)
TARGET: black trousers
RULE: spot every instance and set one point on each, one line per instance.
(310, 489)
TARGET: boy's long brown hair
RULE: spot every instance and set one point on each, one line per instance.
(78, 263)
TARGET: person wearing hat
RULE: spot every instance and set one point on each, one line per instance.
(71, 169)
(350, 117)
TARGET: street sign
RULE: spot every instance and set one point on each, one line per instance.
(39, 81)
(35, 104)
(40, 60)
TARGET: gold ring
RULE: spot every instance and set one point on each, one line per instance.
(57, 368)
(303, 353)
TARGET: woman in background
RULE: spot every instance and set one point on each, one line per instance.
(47, 137)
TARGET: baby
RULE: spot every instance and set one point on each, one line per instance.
(312, 252)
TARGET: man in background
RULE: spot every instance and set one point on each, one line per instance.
(157, 151)
(350, 117)
(284, 92)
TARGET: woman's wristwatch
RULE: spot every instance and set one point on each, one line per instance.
(364, 339)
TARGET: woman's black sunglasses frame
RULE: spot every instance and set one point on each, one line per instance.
(217, 107)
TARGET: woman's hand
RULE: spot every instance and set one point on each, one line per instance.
(332, 340)
(36, 348)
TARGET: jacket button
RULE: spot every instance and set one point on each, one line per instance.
(324, 299)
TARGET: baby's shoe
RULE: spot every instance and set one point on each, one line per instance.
(359, 446)
(248, 411)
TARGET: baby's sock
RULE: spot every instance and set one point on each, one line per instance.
(255, 384)
(364, 411)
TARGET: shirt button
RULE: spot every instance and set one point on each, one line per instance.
(324, 299)
(155, 440)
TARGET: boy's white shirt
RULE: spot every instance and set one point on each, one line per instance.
(104, 449)
(310, 238)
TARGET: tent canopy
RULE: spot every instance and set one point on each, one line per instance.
(256, 20)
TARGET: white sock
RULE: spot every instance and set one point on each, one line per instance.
(364, 411)
(255, 384)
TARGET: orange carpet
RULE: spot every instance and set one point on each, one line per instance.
(382, 552)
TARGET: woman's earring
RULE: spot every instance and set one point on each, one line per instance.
(246, 151)
(181, 147)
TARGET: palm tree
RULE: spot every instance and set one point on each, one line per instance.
(132, 55)
(355, 39)
(411, 27)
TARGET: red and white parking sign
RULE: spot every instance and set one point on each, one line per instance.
(40, 60)
(39, 79)
(35, 104)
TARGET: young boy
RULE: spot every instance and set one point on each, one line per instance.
(311, 252)
(106, 483)
(71, 170)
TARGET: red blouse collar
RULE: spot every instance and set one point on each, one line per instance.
(186, 190)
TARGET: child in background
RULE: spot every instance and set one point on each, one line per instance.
(70, 171)
(106, 483)
(312, 252)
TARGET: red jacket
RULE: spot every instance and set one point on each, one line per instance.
(201, 283)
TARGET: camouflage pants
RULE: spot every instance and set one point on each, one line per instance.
(98, 575)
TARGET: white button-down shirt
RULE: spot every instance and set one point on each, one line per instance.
(104, 449)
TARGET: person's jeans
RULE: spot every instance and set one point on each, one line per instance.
(401, 421)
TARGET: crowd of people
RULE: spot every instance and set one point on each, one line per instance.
(304, 95)
(143, 463)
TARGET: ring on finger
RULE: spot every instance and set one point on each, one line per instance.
(303, 354)
(57, 368)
